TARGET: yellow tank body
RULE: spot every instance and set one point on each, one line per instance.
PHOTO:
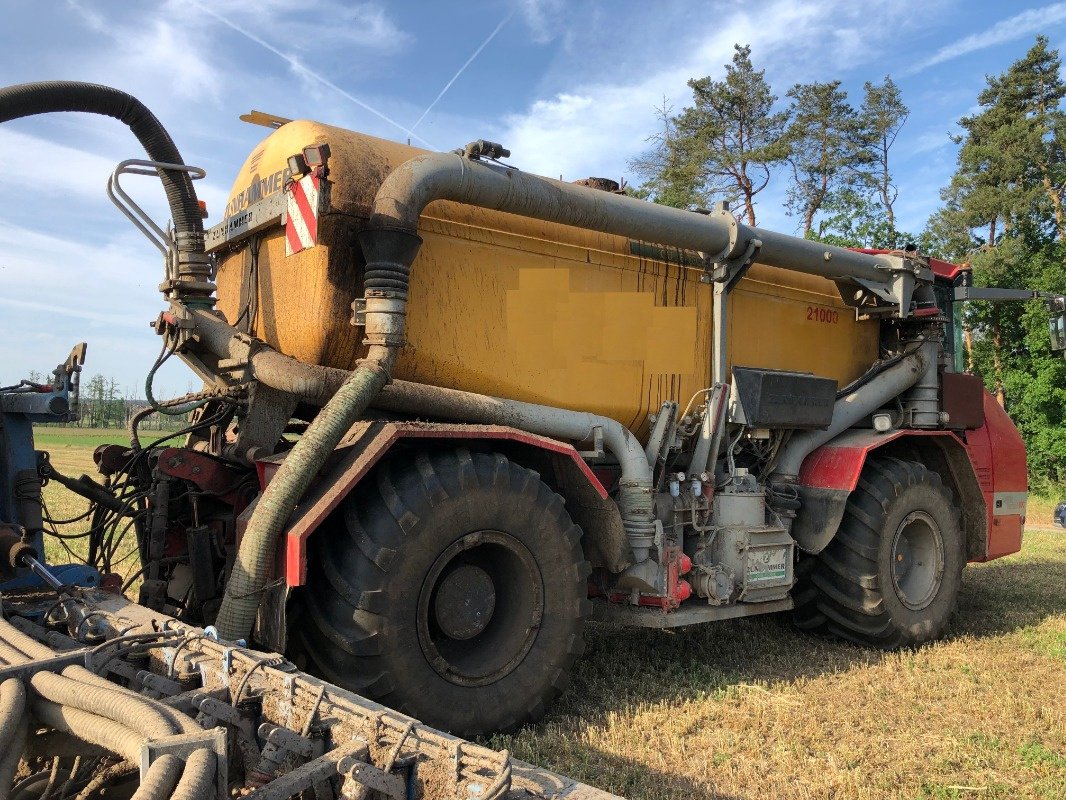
(519, 308)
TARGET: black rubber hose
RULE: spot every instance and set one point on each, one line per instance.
(29, 99)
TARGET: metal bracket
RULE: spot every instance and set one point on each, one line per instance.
(133, 212)
(359, 774)
(731, 271)
(359, 312)
(262, 214)
(597, 450)
(184, 745)
(964, 293)
(54, 664)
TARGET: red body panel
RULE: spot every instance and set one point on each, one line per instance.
(942, 269)
(838, 464)
(361, 449)
(995, 451)
(1002, 460)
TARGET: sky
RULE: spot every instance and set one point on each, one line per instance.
(569, 86)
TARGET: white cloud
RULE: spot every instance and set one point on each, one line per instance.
(57, 172)
(596, 127)
(149, 50)
(1032, 21)
(546, 19)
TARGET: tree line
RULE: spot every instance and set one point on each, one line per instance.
(1003, 212)
(102, 404)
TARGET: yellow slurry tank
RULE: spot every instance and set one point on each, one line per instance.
(518, 308)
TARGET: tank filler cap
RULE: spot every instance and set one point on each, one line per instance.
(603, 184)
(483, 148)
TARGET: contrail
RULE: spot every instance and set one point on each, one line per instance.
(294, 62)
(462, 69)
(1027, 22)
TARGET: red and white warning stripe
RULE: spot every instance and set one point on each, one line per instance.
(301, 213)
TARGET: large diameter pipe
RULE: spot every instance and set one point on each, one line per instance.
(851, 408)
(29, 99)
(635, 486)
(413, 185)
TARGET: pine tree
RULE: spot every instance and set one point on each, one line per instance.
(1006, 199)
(883, 115)
(669, 178)
(726, 144)
(825, 146)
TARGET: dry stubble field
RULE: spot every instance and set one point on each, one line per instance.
(752, 709)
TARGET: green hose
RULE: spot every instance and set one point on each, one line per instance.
(252, 571)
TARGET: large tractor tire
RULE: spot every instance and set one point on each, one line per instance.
(890, 577)
(455, 591)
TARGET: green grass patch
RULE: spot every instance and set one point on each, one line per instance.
(51, 438)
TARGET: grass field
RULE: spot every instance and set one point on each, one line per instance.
(752, 709)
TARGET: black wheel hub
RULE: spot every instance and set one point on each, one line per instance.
(480, 607)
(465, 602)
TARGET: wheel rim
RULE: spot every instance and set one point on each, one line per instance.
(917, 560)
(479, 608)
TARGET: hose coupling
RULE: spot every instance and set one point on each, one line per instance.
(384, 317)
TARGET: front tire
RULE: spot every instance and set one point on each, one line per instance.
(456, 592)
(890, 577)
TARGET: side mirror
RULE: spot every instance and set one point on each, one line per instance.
(1057, 324)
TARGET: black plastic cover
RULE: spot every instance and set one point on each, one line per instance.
(772, 398)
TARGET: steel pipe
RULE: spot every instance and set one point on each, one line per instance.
(851, 408)
(635, 486)
(416, 183)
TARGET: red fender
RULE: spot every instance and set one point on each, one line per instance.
(985, 468)
(367, 442)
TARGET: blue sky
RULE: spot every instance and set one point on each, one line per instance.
(569, 87)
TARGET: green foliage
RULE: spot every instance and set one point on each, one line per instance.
(825, 140)
(1003, 213)
(854, 218)
(725, 145)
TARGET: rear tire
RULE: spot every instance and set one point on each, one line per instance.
(890, 577)
(455, 591)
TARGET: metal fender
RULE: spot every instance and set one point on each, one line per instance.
(984, 468)
(831, 473)
(366, 443)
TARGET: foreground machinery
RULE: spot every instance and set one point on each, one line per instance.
(452, 410)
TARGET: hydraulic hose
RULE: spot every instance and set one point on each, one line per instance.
(29, 99)
(253, 568)
(388, 259)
